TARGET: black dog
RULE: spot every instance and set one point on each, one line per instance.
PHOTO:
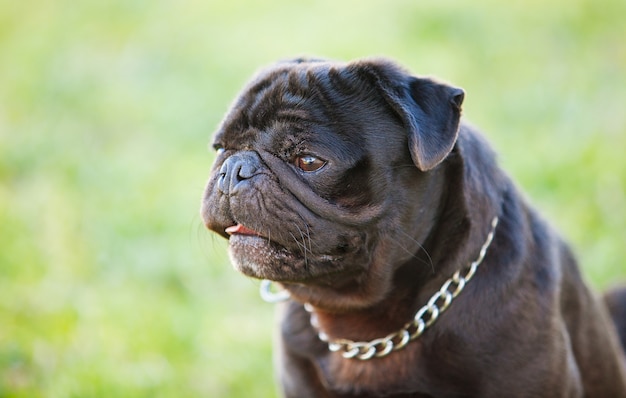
(357, 188)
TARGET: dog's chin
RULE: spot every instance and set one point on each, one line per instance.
(260, 258)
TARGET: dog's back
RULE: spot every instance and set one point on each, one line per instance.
(616, 302)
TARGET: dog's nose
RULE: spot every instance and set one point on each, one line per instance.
(236, 170)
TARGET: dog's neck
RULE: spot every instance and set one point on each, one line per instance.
(377, 321)
(411, 330)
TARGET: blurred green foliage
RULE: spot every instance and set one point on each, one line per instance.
(109, 285)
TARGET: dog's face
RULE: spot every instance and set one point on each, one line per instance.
(326, 176)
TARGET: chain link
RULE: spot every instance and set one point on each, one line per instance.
(425, 316)
(270, 296)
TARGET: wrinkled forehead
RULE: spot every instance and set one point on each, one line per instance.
(298, 94)
(278, 93)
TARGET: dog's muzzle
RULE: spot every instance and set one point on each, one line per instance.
(237, 170)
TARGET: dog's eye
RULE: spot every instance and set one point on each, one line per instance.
(219, 148)
(309, 163)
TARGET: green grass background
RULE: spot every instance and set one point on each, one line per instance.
(109, 284)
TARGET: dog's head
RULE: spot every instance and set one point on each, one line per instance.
(326, 177)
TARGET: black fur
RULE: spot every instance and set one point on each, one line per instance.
(404, 199)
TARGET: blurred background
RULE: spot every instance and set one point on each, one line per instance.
(109, 284)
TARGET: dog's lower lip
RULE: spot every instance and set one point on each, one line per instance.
(240, 229)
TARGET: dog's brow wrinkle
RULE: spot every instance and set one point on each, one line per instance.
(264, 104)
(290, 98)
(293, 116)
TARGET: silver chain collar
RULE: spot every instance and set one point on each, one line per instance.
(425, 316)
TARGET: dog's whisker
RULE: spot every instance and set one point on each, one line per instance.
(422, 248)
(302, 246)
(308, 235)
(297, 241)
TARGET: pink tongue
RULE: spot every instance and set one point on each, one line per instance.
(239, 229)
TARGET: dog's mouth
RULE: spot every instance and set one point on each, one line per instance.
(240, 229)
(258, 256)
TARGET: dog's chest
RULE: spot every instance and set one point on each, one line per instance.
(425, 368)
(353, 376)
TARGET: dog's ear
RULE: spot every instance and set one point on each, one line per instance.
(431, 111)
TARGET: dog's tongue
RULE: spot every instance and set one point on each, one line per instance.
(239, 229)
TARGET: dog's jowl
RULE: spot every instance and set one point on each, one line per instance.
(411, 266)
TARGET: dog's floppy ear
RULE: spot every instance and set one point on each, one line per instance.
(430, 110)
